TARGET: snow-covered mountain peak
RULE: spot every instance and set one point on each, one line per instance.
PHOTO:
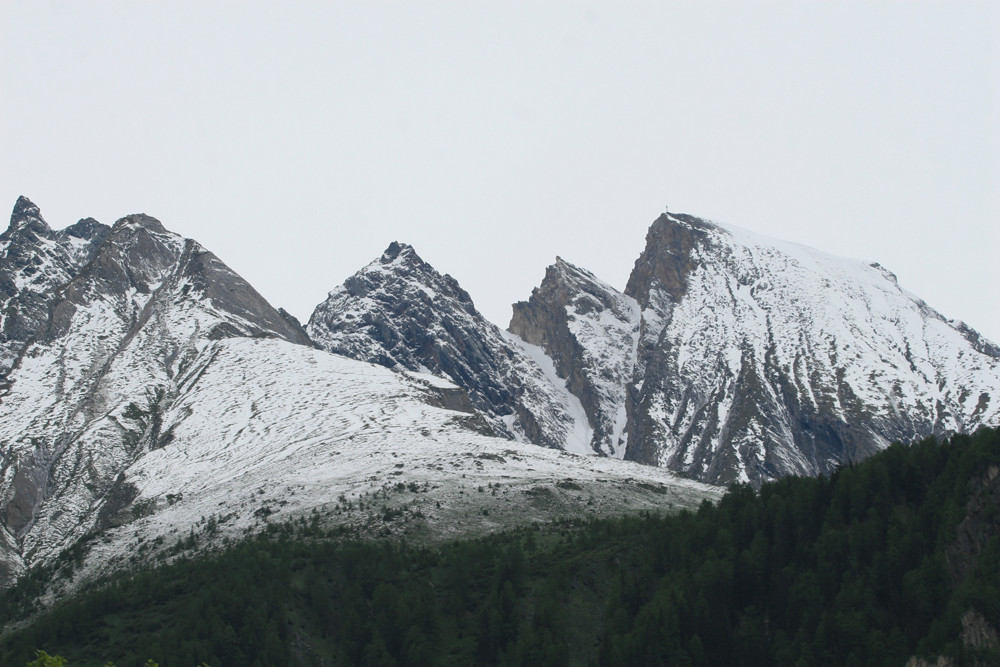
(27, 214)
(34, 262)
(762, 358)
(401, 252)
(400, 311)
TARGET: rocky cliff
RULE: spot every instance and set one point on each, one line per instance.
(400, 312)
(590, 330)
(732, 357)
(34, 261)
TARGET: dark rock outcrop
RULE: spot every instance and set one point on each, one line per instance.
(400, 312)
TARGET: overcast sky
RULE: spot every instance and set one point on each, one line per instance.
(297, 139)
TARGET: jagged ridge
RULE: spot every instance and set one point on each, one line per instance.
(34, 261)
(162, 388)
(756, 358)
(399, 311)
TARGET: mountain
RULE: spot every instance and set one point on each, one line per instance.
(741, 358)
(591, 333)
(728, 357)
(84, 396)
(149, 393)
(34, 261)
(160, 396)
(399, 312)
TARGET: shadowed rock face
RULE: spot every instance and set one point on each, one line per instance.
(400, 312)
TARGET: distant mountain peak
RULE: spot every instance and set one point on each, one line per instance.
(141, 221)
(666, 260)
(24, 207)
(27, 214)
(400, 251)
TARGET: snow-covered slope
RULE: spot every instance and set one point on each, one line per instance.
(399, 311)
(163, 398)
(34, 261)
(357, 445)
(760, 358)
(82, 402)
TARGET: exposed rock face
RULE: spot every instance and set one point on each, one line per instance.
(34, 261)
(85, 398)
(160, 388)
(761, 358)
(400, 312)
(668, 259)
(736, 357)
(589, 329)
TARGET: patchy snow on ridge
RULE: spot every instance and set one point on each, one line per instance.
(772, 358)
(398, 311)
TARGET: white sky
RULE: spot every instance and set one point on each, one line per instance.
(297, 139)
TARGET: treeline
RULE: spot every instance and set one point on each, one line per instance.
(858, 568)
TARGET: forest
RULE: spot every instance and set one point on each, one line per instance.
(870, 565)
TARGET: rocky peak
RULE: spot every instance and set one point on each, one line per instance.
(666, 260)
(400, 271)
(34, 262)
(564, 290)
(588, 329)
(24, 208)
(397, 249)
(140, 221)
(26, 215)
(137, 254)
(395, 302)
(400, 312)
(86, 228)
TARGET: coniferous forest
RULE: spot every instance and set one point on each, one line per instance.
(871, 565)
